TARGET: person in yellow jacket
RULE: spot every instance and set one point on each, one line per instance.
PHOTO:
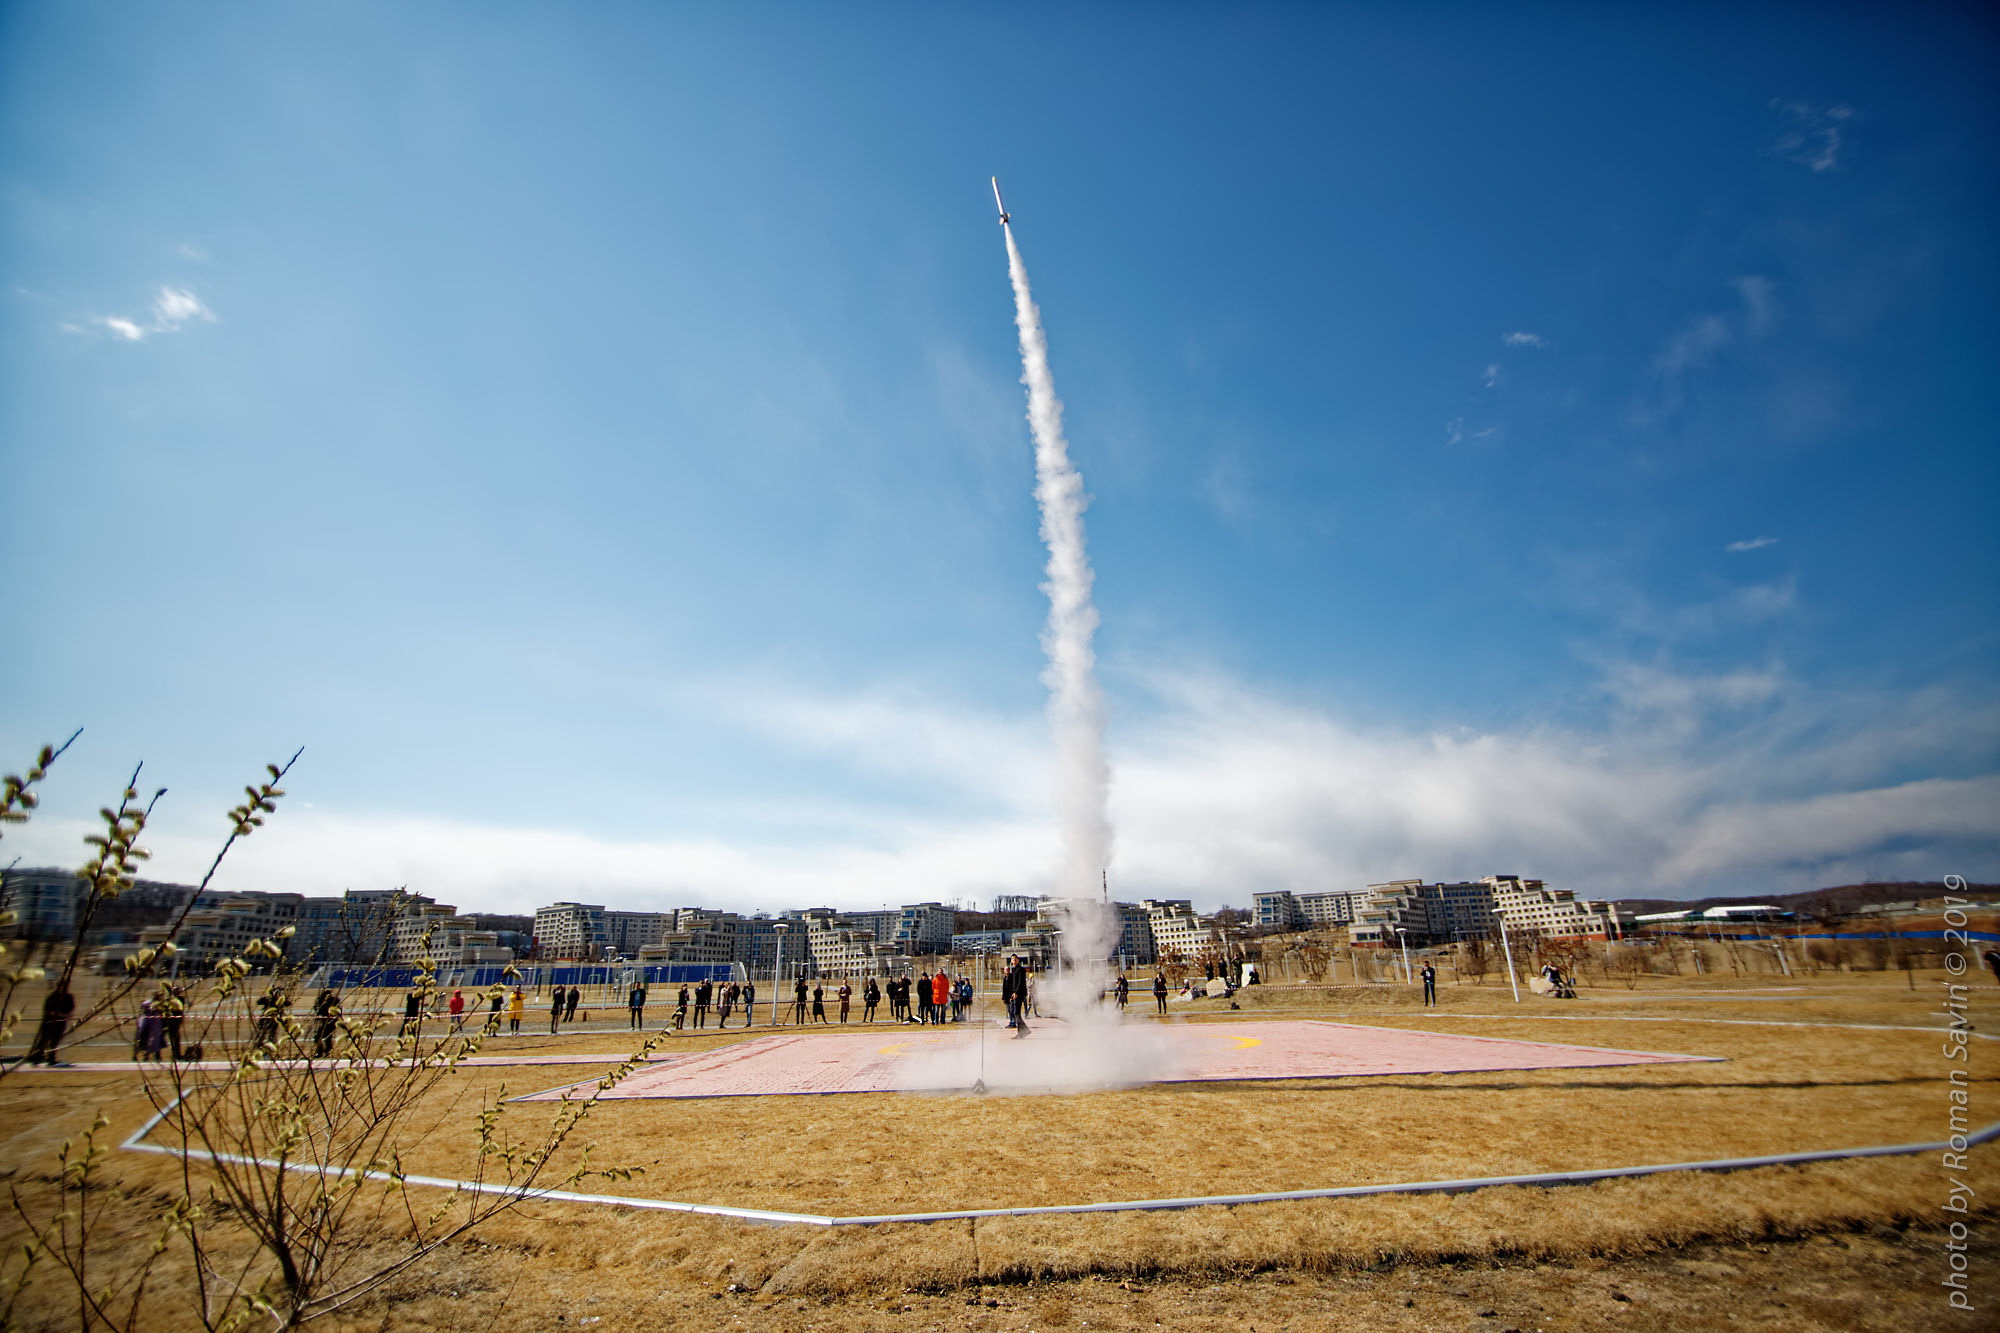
(517, 1005)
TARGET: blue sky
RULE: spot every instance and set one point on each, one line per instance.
(1548, 441)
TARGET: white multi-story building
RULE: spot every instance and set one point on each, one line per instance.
(1524, 904)
(1418, 913)
(570, 930)
(1179, 931)
(924, 928)
(210, 933)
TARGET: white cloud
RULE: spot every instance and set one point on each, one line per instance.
(1524, 340)
(1752, 544)
(175, 306)
(1691, 782)
(1492, 376)
(172, 308)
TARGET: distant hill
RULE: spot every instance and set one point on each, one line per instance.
(1838, 901)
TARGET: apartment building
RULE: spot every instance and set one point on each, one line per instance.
(43, 903)
(570, 931)
(1281, 909)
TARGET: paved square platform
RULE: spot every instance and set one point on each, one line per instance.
(1059, 1057)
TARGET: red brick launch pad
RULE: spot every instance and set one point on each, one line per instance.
(1056, 1057)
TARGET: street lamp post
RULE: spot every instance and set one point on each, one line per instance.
(1404, 940)
(1508, 949)
(777, 975)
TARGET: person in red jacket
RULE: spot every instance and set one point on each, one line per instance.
(940, 995)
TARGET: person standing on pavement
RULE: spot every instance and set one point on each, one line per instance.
(1014, 994)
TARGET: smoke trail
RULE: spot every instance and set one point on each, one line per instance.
(1076, 705)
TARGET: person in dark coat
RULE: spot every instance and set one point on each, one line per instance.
(871, 995)
(704, 996)
(57, 1007)
(799, 1002)
(1430, 976)
(413, 1012)
(749, 1002)
(1160, 992)
(570, 1003)
(271, 1007)
(326, 1021)
(558, 1001)
(636, 1003)
(173, 1013)
(819, 1004)
(1014, 994)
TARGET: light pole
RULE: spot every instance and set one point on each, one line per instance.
(1508, 949)
(777, 976)
(1404, 940)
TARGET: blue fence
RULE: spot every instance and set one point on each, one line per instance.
(1983, 936)
(535, 977)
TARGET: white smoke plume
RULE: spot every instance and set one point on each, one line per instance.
(1076, 704)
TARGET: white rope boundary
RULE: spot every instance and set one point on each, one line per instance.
(1546, 1179)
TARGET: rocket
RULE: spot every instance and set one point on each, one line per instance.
(1005, 216)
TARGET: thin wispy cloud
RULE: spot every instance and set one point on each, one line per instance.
(1809, 134)
(1491, 378)
(1700, 342)
(173, 308)
(1522, 339)
(1751, 544)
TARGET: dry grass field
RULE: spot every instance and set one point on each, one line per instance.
(1837, 1245)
